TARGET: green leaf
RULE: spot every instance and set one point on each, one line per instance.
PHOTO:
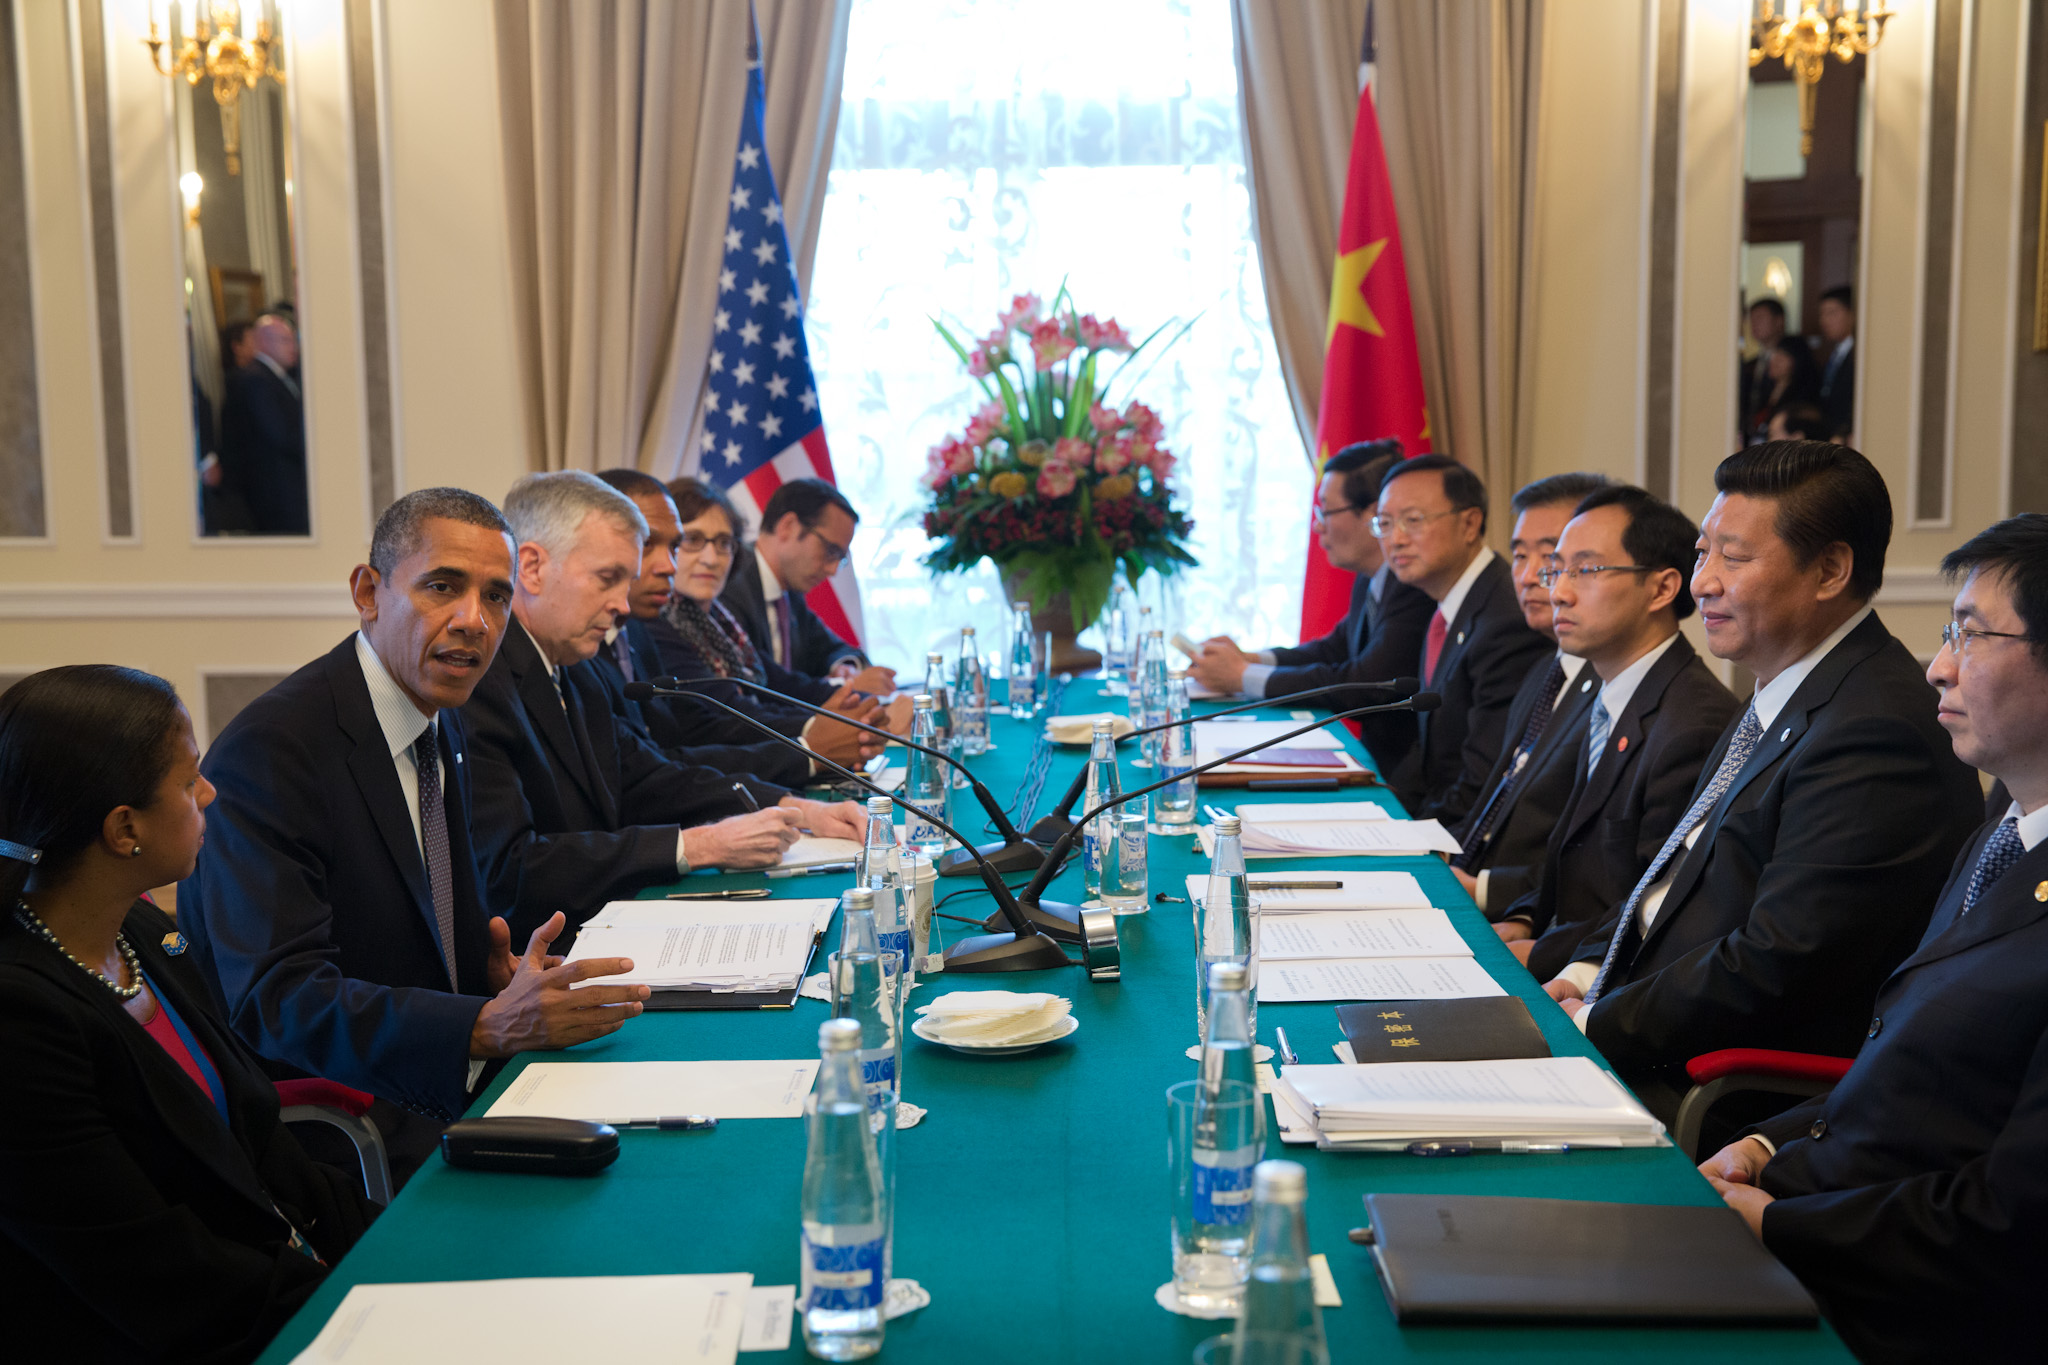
(1010, 406)
(1171, 341)
(1082, 397)
(966, 358)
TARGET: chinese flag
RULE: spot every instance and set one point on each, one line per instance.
(1372, 377)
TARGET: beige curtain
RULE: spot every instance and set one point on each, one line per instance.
(1457, 100)
(621, 121)
(1297, 82)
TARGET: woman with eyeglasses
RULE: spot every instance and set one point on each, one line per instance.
(152, 1206)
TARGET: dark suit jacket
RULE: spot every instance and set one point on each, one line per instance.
(1488, 651)
(1837, 395)
(1376, 641)
(1514, 855)
(263, 449)
(1912, 1198)
(678, 658)
(688, 733)
(134, 1224)
(1810, 880)
(554, 834)
(817, 647)
(1614, 823)
(309, 911)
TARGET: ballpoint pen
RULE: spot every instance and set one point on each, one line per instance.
(1213, 812)
(748, 893)
(1287, 1057)
(822, 869)
(1294, 886)
(745, 796)
(674, 1123)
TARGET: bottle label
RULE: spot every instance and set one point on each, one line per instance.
(1091, 852)
(1130, 875)
(918, 830)
(878, 1075)
(843, 1278)
(1223, 1185)
(895, 941)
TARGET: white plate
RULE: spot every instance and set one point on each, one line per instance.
(1066, 1025)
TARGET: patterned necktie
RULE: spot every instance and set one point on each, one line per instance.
(785, 643)
(1747, 735)
(426, 753)
(1433, 645)
(2001, 851)
(1502, 799)
(623, 652)
(1596, 735)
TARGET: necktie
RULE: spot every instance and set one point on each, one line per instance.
(1433, 646)
(1747, 735)
(624, 653)
(426, 753)
(2001, 851)
(1502, 799)
(1596, 735)
(785, 647)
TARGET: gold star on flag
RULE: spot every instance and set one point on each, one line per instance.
(1347, 291)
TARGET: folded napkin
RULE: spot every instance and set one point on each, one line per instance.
(994, 1018)
(1081, 729)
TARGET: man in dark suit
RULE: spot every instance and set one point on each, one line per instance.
(1753, 380)
(574, 808)
(1618, 591)
(1477, 647)
(1380, 636)
(1525, 790)
(1912, 1199)
(1838, 361)
(263, 433)
(1801, 872)
(806, 534)
(337, 910)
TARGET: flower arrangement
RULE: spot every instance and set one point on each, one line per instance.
(1055, 486)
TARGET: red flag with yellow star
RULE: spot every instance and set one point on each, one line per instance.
(1372, 376)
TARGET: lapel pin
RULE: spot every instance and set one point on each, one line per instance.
(174, 942)
(1586, 686)
(2041, 891)
(1784, 734)
(1461, 637)
(1621, 745)
(458, 758)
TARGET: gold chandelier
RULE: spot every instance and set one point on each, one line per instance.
(1846, 28)
(233, 61)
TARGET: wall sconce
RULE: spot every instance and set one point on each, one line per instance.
(214, 51)
(191, 186)
(1847, 28)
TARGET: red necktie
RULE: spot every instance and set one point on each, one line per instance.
(1433, 646)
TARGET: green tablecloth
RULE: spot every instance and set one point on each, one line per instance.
(1032, 1199)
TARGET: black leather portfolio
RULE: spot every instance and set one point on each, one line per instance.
(1477, 1258)
(1482, 1030)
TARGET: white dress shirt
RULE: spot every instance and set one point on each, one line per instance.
(1618, 691)
(1455, 598)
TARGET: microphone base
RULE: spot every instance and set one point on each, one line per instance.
(1057, 920)
(1006, 953)
(1048, 830)
(1021, 856)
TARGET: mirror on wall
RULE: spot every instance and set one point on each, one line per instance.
(1802, 229)
(241, 264)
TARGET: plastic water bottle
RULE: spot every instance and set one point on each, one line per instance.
(864, 988)
(1175, 805)
(1103, 785)
(846, 1214)
(1148, 693)
(1023, 666)
(1280, 1313)
(942, 698)
(971, 696)
(1226, 1147)
(925, 785)
(878, 853)
(1229, 928)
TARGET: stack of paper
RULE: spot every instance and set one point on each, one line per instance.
(1336, 829)
(621, 1092)
(706, 945)
(1564, 1101)
(993, 1018)
(1357, 891)
(1315, 754)
(1380, 978)
(815, 850)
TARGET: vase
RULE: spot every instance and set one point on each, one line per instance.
(1055, 618)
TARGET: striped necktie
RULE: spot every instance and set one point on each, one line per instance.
(2000, 852)
(426, 752)
(1596, 735)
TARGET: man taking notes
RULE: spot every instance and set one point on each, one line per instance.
(1801, 871)
(1379, 638)
(1912, 1199)
(806, 534)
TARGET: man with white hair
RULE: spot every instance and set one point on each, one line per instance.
(574, 807)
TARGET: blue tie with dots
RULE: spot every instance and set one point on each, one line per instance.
(2001, 851)
(426, 752)
(1596, 735)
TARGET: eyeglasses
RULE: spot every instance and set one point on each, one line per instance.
(1411, 522)
(1957, 636)
(1549, 574)
(696, 542)
(1321, 515)
(835, 553)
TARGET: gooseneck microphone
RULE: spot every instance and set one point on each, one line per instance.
(1022, 949)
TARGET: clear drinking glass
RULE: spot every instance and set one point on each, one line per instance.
(1212, 1234)
(1260, 1348)
(1123, 862)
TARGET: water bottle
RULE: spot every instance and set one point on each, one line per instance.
(945, 716)
(845, 1246)
(878, 853)
(892, 936)
(1280, 1312)
(864, 989)
(1103, 785)
(1024, 687)
(1229, 928)
(925, 784)
(1225, 1151)
(1175, 805)
(971, 696)
(1148, 693)
(1117, 625)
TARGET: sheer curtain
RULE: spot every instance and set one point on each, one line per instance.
(993, 147)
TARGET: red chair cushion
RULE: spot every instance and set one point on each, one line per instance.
(1805, 1066)
(326, 1094)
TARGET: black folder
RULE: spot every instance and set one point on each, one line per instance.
(1479, 1259)
(1482, 1030)
(659, 999)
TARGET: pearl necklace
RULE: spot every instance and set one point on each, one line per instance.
(34, 925)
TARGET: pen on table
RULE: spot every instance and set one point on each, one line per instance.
(1287, 1057)
(1213, 812)
(748, 893)
(674, 1123)
(1506, 1147)
(822, 869)
(1294, 886)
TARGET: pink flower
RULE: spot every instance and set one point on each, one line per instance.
(1103, 336)
(1073, 452)
(1161, 462)
(958, 455)
(1106, 420)
(988, 424)
(1056, 480)
(1113, 455)
(1144, 421)
(1050, 345)
(1023, 312)
(979, 365)
(935, 471)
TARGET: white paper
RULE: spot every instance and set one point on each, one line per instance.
(642, 914)
(1530, 1096)
(693, 1318)
(740, 954)
(1325, 1283)
(1310, 812)
(1360, 934)
(770, 1310)
(811, 850)
(1361, 891)
(620, 1092)
(1214, 739)
(1415, 978)
(1345, 838)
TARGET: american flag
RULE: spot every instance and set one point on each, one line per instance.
(761, 423)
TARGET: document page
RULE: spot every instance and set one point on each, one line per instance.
(1359, 891)
(1309, 812)
(1416, 978)
(1215, 738)
(714, 956)
(1525, 1091)
(1350, 837)
(682, 1318)
(620, 1092)
(644, 914)
(810, 850)
(1359, 934)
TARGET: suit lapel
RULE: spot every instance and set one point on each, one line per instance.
(1364, 616)
(376, 777)
(1625, 736)
(581, 705)
(2012, 902)
(544, 707)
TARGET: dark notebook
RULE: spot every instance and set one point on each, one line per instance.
(1483, 1030)
(1474, 1258)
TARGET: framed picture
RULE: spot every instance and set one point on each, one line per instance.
(237, 295)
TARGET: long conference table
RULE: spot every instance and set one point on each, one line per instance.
(1032, 1200)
